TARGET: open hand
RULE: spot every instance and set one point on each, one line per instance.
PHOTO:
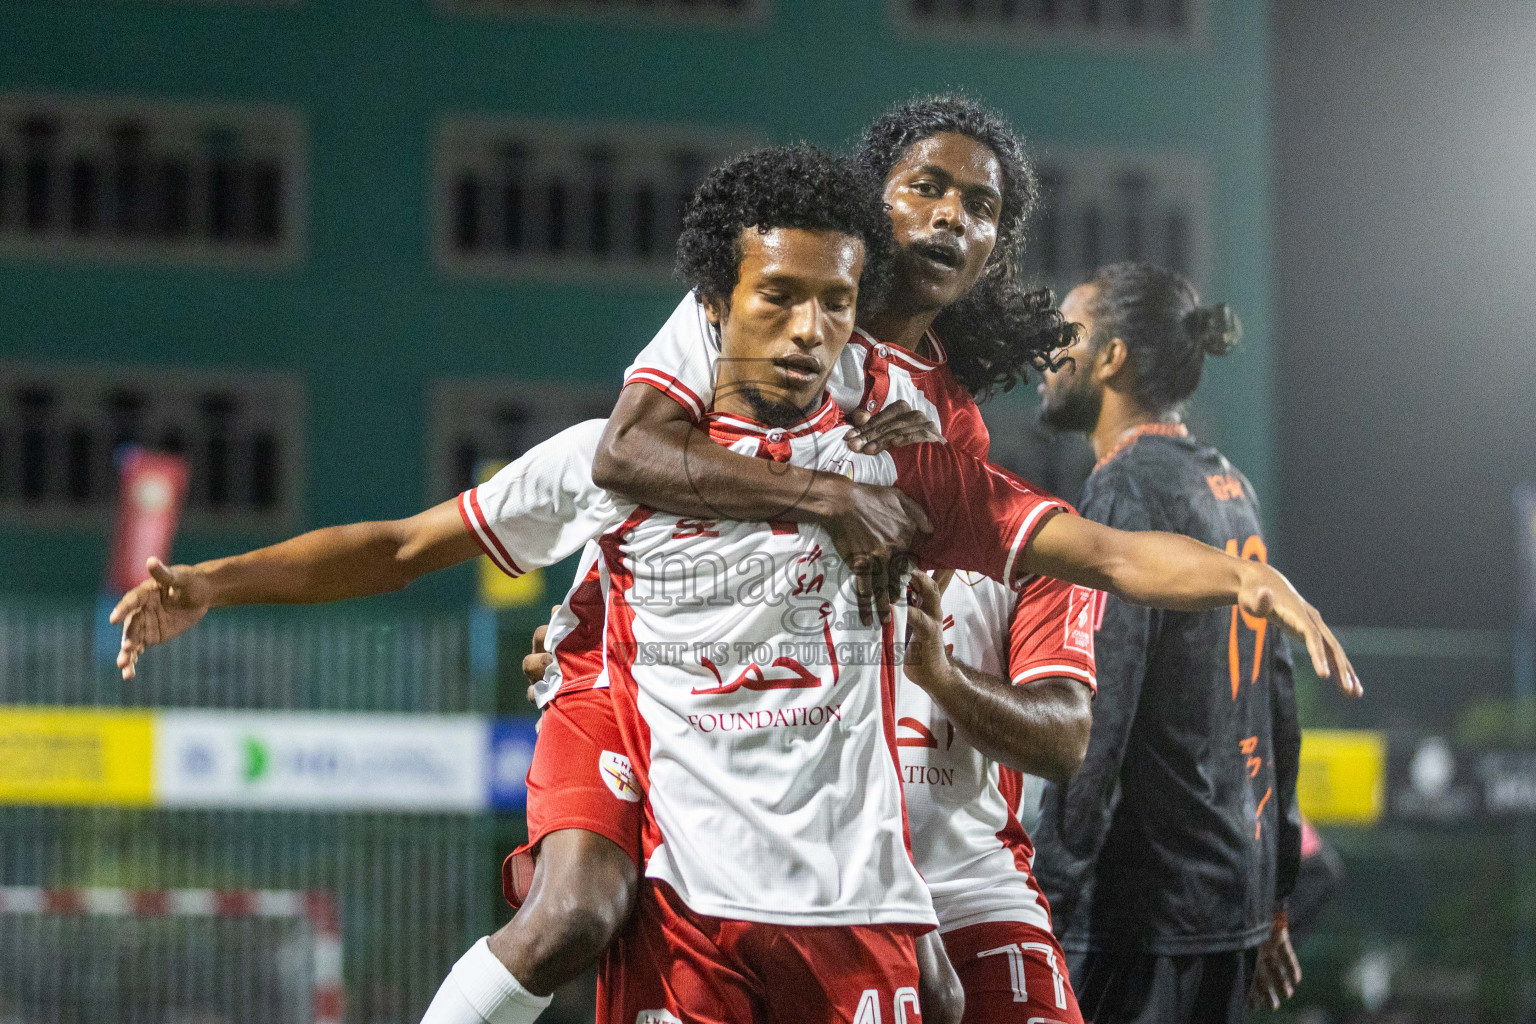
(173, 600)
(880, 522)
(1267, 594)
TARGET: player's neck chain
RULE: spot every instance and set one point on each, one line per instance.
(1131, 436)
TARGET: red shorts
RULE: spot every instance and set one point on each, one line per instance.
(1012, 972)
(580, 778)
(671, 965)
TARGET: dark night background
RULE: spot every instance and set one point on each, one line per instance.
(1405, 213)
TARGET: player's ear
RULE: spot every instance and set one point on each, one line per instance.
(1109, 360)
(714, 309)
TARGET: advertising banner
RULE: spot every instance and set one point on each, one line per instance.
(75, 756)
(151, 489)
(1358, 777)
(1434, 782)
(267, 759)
(321, 761)
(1342, 779)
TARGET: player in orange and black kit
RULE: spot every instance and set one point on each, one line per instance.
(1167, 859)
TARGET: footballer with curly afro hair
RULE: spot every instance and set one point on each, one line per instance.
(793, 230)
(781, 187)
(996, 329)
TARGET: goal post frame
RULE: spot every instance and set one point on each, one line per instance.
(316, 906)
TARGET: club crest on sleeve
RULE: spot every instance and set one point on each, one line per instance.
(1080, 608)
(619, 776)
(656, 1017)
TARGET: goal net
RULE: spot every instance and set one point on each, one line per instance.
(180, 956)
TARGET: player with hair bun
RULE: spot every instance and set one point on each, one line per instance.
(1165, 335)
(1168, 858)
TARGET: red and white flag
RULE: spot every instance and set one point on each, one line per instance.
(152, 486)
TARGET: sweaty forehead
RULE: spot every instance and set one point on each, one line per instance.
(964, 159)
(805, 254)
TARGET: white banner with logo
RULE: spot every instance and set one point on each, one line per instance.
(321, 760)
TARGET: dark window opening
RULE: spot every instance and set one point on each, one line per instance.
(466, 460)
(218, 453)
(222, 177)
(84, 197)
(1093, 240)
(266, 182)
(1178, 243)
(173, 442)
(554, 217)
(466, 214)
(175, 211)
(39, 133)
(645, 220)
(128, 184)
(265, 471)
(78, 466)
(35, 406)
(1134, 189)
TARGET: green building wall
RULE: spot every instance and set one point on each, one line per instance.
(370, 321)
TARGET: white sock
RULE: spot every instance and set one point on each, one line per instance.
(480, 990)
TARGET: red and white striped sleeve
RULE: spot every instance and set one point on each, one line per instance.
(982, 516)
(680, 361)
(1051, 633)
(542, 507)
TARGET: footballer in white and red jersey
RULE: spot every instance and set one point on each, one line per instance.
(579, 778)
(967, 840)
(968, 844)
(759, 714)
(966, 836)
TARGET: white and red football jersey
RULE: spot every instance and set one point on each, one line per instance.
(758, 712)
(974, 850)
(536, 511)
(680, 361)
(966, 837)
(962, 807)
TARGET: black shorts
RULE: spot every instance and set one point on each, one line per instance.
(1140, 988)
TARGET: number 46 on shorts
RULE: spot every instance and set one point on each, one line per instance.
(904, 1006)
